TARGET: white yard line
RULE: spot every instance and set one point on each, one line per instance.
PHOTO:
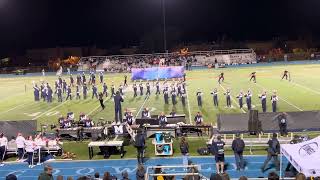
(282, 98)
(145, 100)
(49, 110)
(14, 108)
(314, 91)
(233, 99)
(188, 106)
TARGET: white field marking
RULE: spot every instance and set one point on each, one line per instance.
(18, 94)
(233, 99)
(145, 100)
(97, 106)
(282, 99)
(314, 91)
(14, 108)
(188, 105)
(49, 110)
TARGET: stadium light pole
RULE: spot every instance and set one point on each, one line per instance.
(164, 25)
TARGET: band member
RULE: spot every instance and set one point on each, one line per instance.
(112, 89)
(69, 93)
(64, 86)
(214, 93)
(83, 78)
(60, 81)
(162, 119)
(71, 80)
(117, 107)
(174, 97)
(49, 94)
(129, 118)
(145, 113)
(59, 93)
(36, 92)
(173, 112)
(240, 96)
(121, 90)
(141, 88)
(94, 92)
(221, 78)
(248, 99)
(101, 100)
(93, 78)
(88, 123)
(105, 89)
(158, 87)
(125, 81)
(183, 98)
(199, 97)
(66, 123)
(77, 92)
(263, 98)
(134, 86)
(286, 75)
(84, 91)
(148, 89)
(228, 97)
(101, 77)
(166, 96)
(253, 77)
(78, 79)
(179, 89)
(274, 99)
(198, 119)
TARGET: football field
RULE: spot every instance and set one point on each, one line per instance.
(300, 94)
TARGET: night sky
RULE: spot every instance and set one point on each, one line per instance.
(49, 23)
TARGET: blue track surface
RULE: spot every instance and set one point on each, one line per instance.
(115, 167)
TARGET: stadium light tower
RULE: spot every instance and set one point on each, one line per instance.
(164, 25)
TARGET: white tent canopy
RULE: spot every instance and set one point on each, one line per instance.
(305, 156)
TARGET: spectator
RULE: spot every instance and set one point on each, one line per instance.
(184, 148)
(218, 149)
(97, 176)
(140, 174)
(273, 151)
(225, 176)
(301, 176)
(46, 174)
(59, 177)
(30, 146)
(273, 176)
(125, 175)
(140, 145)
(243, 178)
(70, 178)
(11, 177)
(238, 147)
(108, 176)
(215, 176)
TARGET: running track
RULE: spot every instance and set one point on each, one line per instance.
(115, 167)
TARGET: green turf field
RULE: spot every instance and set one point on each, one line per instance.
(302, 93)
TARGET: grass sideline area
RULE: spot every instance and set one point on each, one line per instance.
(300, 94)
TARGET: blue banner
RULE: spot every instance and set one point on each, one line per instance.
(154, 73)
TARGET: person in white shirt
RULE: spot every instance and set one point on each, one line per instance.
(3, 147)
(20, 140)
(30, 146)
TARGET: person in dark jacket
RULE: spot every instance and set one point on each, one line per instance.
(273, 151)
(184, 148)
(218, 148)
(140, 174)
(140, 142)
(46, 174)
(238, 148)
(117, 107)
